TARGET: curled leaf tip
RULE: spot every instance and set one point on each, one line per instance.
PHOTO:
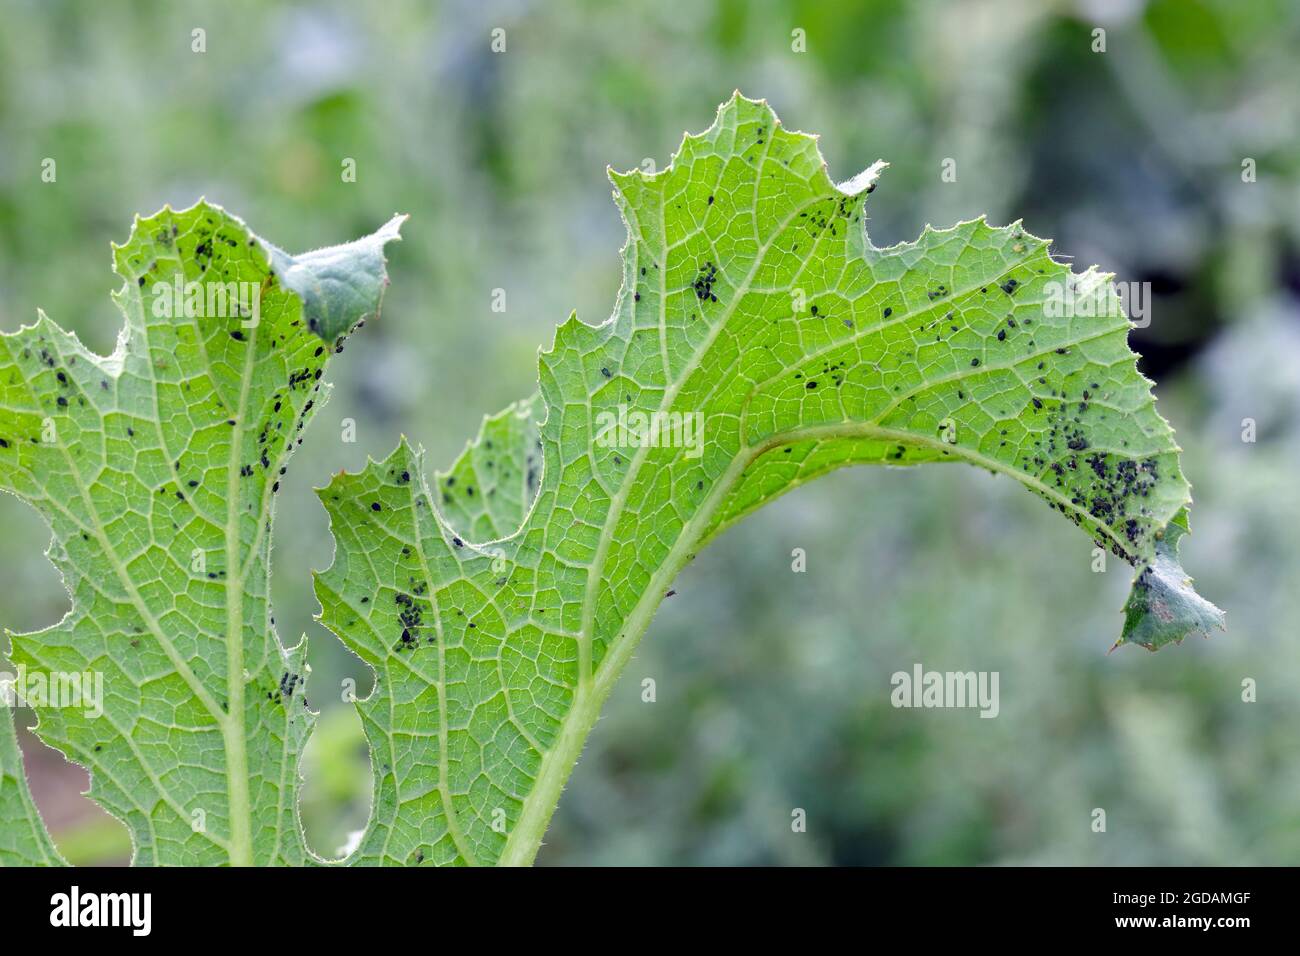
(1163, 607)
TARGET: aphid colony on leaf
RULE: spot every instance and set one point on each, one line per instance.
(591, 553)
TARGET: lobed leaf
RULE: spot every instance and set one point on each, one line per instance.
(24, 840)
(156, 468)
(497, 613)
(759, 341)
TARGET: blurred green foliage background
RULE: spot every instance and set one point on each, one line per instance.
(772, 687)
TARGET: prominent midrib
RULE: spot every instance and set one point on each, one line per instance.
(526, 839)
(239, 809)
(557, 763)
(619, 500)
(689, 540)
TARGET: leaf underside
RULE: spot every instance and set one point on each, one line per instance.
(24, 840)
(156, 468)
(498, 602)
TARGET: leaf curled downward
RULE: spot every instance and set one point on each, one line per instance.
(156, 468)
(754, 306)
(499, 602)
(1163, 607)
